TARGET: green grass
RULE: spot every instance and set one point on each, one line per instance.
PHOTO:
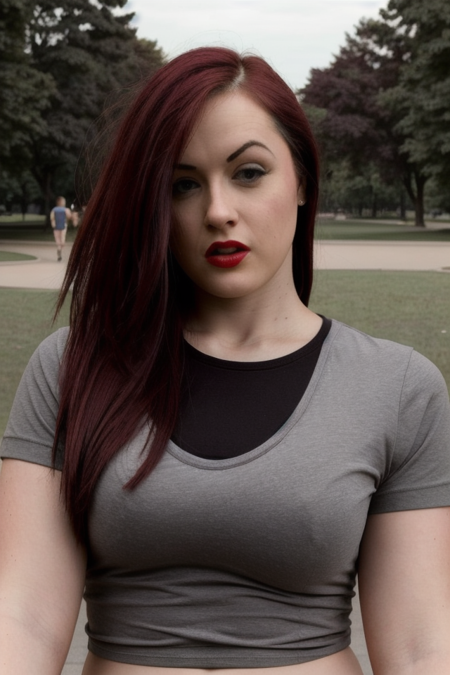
(379, 231)
(408, 307)
(26, 321)
(30, 218)
(7, 256)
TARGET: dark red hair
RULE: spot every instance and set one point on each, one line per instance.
(123, 361)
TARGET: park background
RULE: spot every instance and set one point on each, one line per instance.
(376, 90)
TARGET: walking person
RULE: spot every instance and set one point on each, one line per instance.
(59, 216)
(211, 463)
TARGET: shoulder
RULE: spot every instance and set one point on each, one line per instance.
(52, 347)
(392, 353)
(372, 359)
(46, 360)
(353, 338)
(29, 434)
(394, 373)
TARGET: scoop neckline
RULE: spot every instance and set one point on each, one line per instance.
(222, 464)
(267, 364)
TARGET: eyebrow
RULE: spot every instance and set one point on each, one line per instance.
(234, 155)
(185, 167)
(244, 147)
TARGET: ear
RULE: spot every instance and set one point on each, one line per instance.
(301, 196)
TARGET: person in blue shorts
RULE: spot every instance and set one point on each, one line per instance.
(59, 216)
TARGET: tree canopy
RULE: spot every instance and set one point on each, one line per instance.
(66, 57)
(24, 91)
(384, 99)
(422, 94)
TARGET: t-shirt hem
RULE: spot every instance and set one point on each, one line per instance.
(409, 500)
(191, 657)
(27, 451)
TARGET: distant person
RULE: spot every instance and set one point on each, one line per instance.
(59, 216)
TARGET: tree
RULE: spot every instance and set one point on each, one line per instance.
(90, 52)
(24, 92)
(386, 96)
(422, 94)
(356, 125)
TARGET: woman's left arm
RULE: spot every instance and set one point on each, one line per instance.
(404, 585)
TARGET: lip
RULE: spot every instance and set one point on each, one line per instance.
(216, 256)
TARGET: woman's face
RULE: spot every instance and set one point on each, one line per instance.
(235, 197)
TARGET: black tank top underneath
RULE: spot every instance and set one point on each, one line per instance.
(230, 407)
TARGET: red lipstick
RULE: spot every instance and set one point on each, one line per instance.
(226, 253)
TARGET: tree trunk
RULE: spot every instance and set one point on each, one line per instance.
(24, 199)
(374, 205)
(402, 205)
(417, 196)
(419, 205)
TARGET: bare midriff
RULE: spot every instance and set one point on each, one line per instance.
(341, 663)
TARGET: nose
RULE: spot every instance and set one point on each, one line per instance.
(219, 210)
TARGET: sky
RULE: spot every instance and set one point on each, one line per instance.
(292, 35)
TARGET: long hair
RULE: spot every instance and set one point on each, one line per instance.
(123, 360)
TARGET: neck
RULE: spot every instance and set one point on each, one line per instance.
(257, 327)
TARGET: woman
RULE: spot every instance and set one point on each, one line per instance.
(228, 458)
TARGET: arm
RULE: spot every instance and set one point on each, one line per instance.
(404, 581)
(42, 571)
(52, 219)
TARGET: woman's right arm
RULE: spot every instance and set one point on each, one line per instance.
(42, 571)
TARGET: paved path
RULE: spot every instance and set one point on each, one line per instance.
(44, 272)
(380, 255)
(47, 273)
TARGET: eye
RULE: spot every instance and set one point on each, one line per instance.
(250, 174)
(183, 186)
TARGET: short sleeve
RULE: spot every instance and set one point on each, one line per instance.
(418, 475)
(30, 430)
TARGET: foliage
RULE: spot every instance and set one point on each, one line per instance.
(90, 51)
(24, 91)
(357, 128)
(422, 94)
(362, 192)
(85, 51)
(383, 102)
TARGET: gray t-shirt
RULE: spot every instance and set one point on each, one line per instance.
(251, 561)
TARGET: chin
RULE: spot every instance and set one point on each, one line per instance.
(231, 291)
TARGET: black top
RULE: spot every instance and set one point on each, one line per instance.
(230, 407)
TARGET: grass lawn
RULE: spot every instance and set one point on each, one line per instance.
(26, 321)
(7, 256)
(30, 218)
(379, 231)
(409, 307)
